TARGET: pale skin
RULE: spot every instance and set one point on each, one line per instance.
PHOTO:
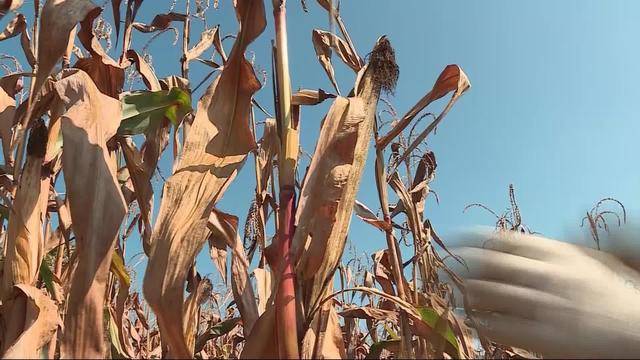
(553, 298)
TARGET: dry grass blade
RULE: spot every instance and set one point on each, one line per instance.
(96, 205)
(364, 213)
(39, 319)
(452, 78)
(216, 146)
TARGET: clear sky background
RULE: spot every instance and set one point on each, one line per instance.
(552, 109)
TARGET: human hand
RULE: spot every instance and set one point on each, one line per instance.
(554, 298)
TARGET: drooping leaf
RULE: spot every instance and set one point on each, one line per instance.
(142, 110)
(58, 18)
(364, 213)
(9, 5)
(324, 44)
(47, 277)
(96, 204)
(106, 73)
(144, 69)
(451, 79)
(217, 330)
(216, 146)
(207, 38)
(159, 22)
(310, 97)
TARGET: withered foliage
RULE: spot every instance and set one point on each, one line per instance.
(81, 155)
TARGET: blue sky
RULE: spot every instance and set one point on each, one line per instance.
(552, 108)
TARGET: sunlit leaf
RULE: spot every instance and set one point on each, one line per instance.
(143, 109)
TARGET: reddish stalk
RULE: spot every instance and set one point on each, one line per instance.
(285, 301)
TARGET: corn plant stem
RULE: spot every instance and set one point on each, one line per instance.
(381, 184)
(285, 302)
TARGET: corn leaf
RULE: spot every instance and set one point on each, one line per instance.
(216, 146)
(96, 205)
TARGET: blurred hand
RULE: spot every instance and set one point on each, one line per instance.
(554, 298)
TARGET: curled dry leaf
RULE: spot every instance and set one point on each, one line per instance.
(96, 205)
(144, 69)
(364, 213)
(369, 312)
(215, 148)
(159, 22)
(323, 43)
(58, 18)
(18, 26)
(310, 97)
(106, 73)
(207, 38)
(9, 86)
(9, 5)
(451, 79)
(225, 227)
(36, 321)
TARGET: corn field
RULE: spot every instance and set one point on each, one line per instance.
(83, 125)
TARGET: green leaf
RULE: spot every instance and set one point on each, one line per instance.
(46, 276)
(142, 110)
(433, 319)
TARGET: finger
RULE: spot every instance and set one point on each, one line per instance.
(512, 300)
(485, 264)
(512, 242)
(523, 333)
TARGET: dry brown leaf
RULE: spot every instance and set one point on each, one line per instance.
(368, 312)
(310, 97)
(324, 44)
(96, 204)
(143, 191)
(224, 226)
(261, 342)
(38, 319)
(7, 115)
(106, 73)
(264, 286)
(144, 69)
(191, 313)
(364, 213)
(159, 22)
(207, 39)
(9, 5)
(58, 18)
(18, 26)
(216, 146)
(323, 338)
(14, 28)
(25, 238)
(452, 78)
